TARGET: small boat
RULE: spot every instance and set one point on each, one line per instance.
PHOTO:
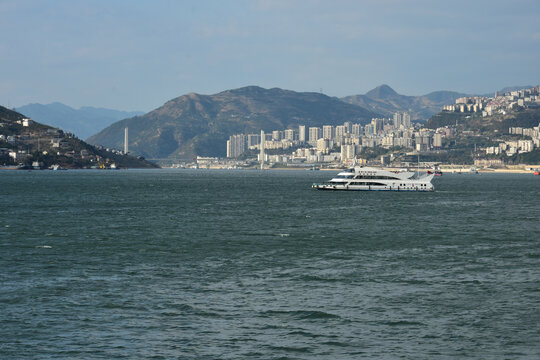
(13, 167)
(537, 172)
(373, 179)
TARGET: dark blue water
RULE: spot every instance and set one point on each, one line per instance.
(197, 264)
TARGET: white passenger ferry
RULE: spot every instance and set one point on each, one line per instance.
(373, 179)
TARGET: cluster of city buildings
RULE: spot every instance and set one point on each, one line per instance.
(342, 143)
(499, 104)
(530, 141)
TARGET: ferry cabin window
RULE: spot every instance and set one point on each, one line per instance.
(376, 177)
(344, 176)
(366, 183)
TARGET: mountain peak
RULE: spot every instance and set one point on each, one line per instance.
(381, 92)
(184, 128)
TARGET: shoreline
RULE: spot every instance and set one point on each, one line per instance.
(451, 170)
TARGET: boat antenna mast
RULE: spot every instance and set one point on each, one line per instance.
(418, 166)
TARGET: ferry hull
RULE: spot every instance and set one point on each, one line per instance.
(366, 188)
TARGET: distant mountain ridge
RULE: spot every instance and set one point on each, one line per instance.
(82, 122)
(509, 89)
(385, 100)
(195, 124)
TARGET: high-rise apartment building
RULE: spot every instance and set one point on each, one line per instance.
(437, 140)
(356, 130)
(402, 119)
(328, 132)
(314, 135)
(369, 129)
(348, 126)
(340, 131)
(261, 149)
(348, 152)
(288, 134)
(236, 145)
(302, 133)
(377, 125)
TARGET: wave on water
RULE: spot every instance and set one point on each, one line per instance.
(297, 349)
(316, 278)
(301, 314)
(403, 323)
(44, 247)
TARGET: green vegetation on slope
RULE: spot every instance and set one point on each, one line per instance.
(194, 124)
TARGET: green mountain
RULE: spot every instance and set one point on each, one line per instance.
(24, 142)
(384, 100)
(82, 122)
(194, 124)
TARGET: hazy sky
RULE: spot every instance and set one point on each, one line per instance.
(136, 55)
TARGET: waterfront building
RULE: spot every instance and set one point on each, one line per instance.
(126, 149)
(348, 152)
(236, 145)
(323, 145)
(261, 146)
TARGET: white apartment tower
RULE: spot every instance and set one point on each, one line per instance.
(236, 145)
(126, 148)
(288, 134)
(402, 119)
(348, 126)
(302, 133)
(356, 130)
(328, 132)
(348, 152)
(261, 147)
(341, 130)
(314, 135)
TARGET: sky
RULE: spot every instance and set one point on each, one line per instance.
(136, 55)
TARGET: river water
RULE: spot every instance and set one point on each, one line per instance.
(201, 264)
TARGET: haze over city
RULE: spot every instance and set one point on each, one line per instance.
(136, 55)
